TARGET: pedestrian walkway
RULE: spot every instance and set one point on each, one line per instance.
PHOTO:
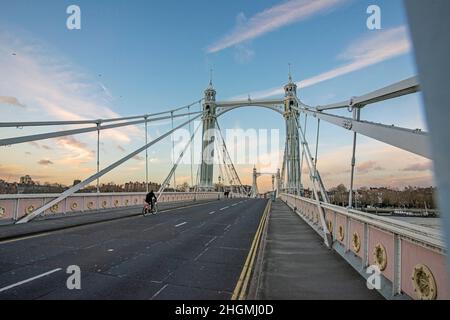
(296, 265)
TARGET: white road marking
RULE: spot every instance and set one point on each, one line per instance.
(209, 242)
(30, 279)
(224, 208)
(180, 224)
(159, 291)
(198, 257)
(212, 212)
(25, 238)
(234, 205)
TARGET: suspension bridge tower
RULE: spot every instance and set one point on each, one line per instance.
(209, 126)
(291, 116)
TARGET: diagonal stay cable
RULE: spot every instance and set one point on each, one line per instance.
(92, 178)
(166, 182)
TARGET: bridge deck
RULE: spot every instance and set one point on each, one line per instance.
(296, 264)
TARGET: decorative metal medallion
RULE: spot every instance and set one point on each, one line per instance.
(380, 256)
(116, 203)
(104, 204)
(135, 201)
(424, 283)
(29, 210)
(330, 225)
(54, 208)
(74, 206)
(356, 242)
(90, 205)
(127, 202)
(341, 233)
(2, 212)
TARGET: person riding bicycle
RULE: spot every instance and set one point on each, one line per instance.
(149, 200)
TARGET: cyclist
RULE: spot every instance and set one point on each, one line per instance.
(150, 200)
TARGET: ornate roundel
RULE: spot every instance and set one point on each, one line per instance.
(127, 202)
(104, 204)
(116, 203)
(74, 206)
(380, 256)
(2, 212)
(135, 201)
(424, 283)
(330, 225)
(29, 209)
(341, 233)
(356, 242)
(90, 205)
(54, 208)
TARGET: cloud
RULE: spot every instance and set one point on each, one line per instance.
(423, 166)
(52, 87)
(45, 162)
(11, 101)
(121, 148)
(138, 158)
(368, 166)
(272, 19)
(374, 48)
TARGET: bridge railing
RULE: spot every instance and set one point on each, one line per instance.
(14, 207)
(411, 258)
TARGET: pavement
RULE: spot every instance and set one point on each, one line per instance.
(295, 264)
(195, 252)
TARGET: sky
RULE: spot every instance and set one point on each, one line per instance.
(139, 57)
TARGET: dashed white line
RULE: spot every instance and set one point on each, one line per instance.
(210, 241)
(30, 279)
(224, 208)
(212, 212)
(159, 291)
(180, 224)
(234, 205)
(203, 252)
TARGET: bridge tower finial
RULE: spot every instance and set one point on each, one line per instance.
(290, 74)
(211, 77)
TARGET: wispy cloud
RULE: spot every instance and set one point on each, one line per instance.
(373, 48)
(11, 101)
(45, 162)
(418, 167)
(51, 86)
(272, 19)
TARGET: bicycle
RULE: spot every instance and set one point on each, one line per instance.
(150, 208)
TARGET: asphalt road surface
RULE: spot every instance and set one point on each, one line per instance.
(195, 252)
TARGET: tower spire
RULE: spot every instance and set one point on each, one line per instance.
(210, 77)
(290, 74)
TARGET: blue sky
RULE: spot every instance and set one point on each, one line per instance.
(136, 57)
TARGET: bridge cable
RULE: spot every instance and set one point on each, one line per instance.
(229, 157)
(92, 178)
(166, 182)
(56, 134)
(92, 121)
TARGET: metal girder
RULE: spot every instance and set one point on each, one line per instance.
(414, 141)
(430, 24)
(92, 178)
(226, 106)
(404, 87)
(49, 135)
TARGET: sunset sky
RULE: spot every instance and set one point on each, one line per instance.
(138, 57)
